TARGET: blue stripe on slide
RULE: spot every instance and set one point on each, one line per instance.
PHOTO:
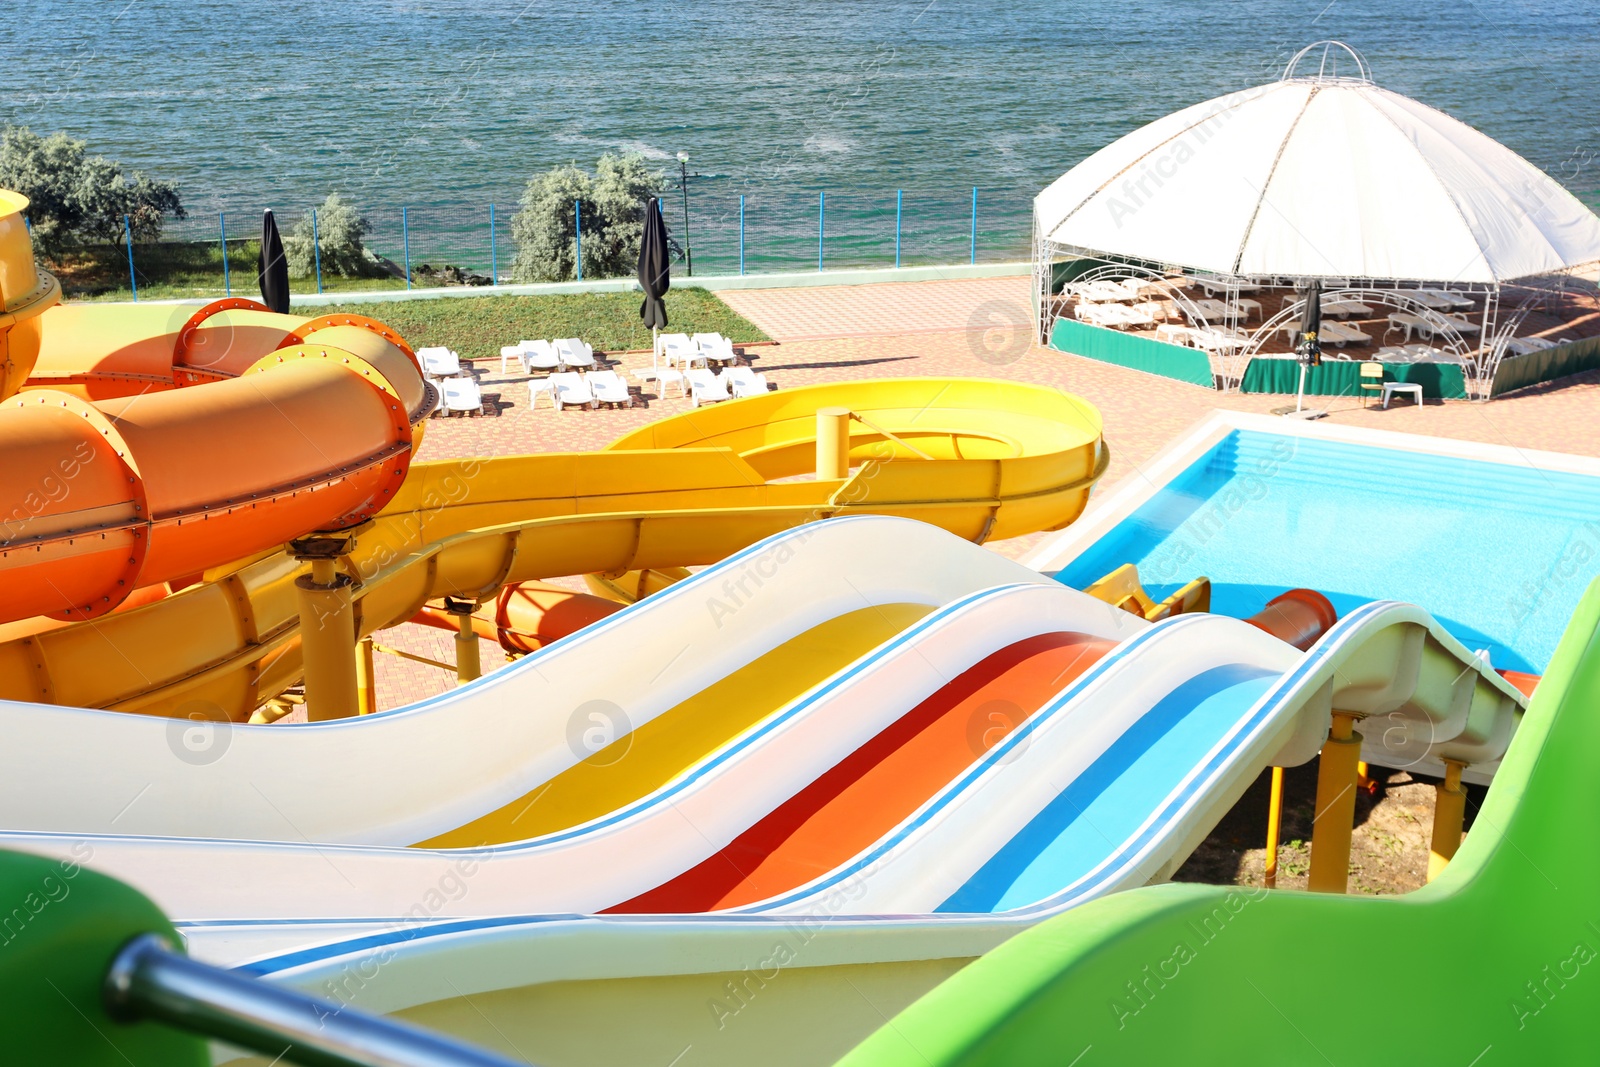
(1111, 798)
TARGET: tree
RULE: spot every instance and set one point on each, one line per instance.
(339, 231)
(612, 211)
(75, 198)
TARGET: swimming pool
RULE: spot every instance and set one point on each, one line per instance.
(1499, 552)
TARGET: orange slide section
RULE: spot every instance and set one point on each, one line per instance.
(149, 444)
(875, 788)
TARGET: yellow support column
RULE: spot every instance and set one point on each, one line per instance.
(1274, 827)
(1336, 807)
(833, 444)
(468, 664)
(327, 631)
(1449, 813)
(366, 680)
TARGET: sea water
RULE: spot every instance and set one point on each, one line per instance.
(447, 106)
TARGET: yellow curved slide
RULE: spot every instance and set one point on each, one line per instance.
(983, 459)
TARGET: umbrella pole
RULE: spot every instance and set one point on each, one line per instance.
(1300, 397)
(655, 346)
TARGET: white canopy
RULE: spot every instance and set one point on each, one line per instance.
(1320, 177)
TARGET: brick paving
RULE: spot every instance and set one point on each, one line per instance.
(979, 329)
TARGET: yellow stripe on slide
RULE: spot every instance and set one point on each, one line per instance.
(638, 763)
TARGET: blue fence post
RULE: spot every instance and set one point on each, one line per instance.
(222, 228)
(974, 224)
(494, 262)
(127, 229)
(899, 204)
(741, 233)
(316, 247)
(405, 237)
(577, 223)
(822, 224)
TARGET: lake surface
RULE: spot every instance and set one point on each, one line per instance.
(447, 106)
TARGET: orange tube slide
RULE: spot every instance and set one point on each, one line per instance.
(121, 477)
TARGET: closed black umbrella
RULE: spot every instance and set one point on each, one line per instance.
(655, 275)
(1309, 350)
(273, 270)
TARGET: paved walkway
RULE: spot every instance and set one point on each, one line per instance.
(990, 338)
(872, 310)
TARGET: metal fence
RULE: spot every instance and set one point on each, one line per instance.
(721, 234)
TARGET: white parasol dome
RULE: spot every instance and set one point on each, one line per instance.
(1329, 177)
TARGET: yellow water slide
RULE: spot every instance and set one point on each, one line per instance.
(983, 459)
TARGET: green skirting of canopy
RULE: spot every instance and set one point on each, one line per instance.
(1522, 371)
(1128, 350)
(1336, 377)
(1343, 377)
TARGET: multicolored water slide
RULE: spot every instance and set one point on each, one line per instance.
(1151, 744)
(1241, 976)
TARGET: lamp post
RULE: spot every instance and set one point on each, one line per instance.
(683, 168)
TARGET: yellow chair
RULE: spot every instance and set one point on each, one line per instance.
(1371, 380)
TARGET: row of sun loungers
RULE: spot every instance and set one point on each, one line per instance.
(679, 349)
(567, 389)
(1526, 346)
(588, 390)
(559, 355)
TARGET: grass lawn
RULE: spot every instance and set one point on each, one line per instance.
(476, 327)
(171, 270)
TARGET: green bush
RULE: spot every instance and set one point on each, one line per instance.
(339, 232)
(76, 198)
(612, 210)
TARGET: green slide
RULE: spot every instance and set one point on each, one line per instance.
(1497, 961)
(60, 926)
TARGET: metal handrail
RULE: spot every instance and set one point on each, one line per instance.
(148, 980)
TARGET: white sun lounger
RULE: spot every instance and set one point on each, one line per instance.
(460, 396)
(679, 351)
(743, 382)
(439, 362)
(1522, 346)
(541, 355)
(1215, 283)
(1449, 299)
(705, 387)
(715, 347)
(1340, 334)
(608, 388)
(574, 353)
(570, 388)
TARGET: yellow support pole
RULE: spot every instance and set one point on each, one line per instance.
(1449, 813)
(366, 679)
(1274, 826)
(327, 641)
(833, 444)
(1336, 807)
(468, 662)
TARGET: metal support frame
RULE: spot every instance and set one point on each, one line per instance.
(1334, 821)
(327, 629)
(469, 665)
(316, 247)
(222, 226)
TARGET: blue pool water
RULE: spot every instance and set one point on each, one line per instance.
(1110, 800)
(1498, 553)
